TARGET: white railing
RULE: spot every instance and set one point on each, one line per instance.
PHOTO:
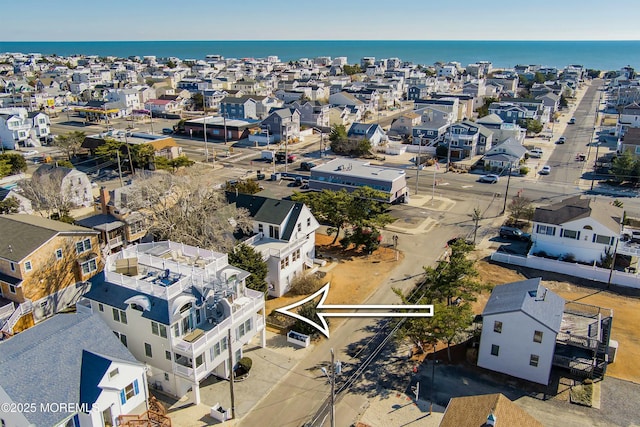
(22, 309)
(7, 310)
(214, 335)
(572, 269)
(253, 239)
(183, 370)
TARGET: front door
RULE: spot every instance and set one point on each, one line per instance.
(106, 416)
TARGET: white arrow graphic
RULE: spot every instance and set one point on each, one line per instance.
(427, 310)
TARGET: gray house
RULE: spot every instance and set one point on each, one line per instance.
(283, 124)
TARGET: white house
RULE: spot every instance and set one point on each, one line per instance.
(580, 228)
(284, 233)
(519, 327)
(162, 106)
(40, 126)
(74, 184)
(129, 98)
(70, 370)
(174, 306)
(15, 127)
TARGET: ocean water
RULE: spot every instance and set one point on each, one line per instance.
(603, 55)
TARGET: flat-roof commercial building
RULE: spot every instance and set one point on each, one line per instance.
(351, 174)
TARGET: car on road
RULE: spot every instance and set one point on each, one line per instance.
(167, 131)
(513, 233)
(306, 166)
(546, 170)
(561, 140)
(29, 153)
(572, 121)
(491, 178)
(281, 155)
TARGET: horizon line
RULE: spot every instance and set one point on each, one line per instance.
(325, 40)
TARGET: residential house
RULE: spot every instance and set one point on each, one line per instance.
(24, 204)
(348, 174)
(346, 99)
(15, 127)
(179, 309)
(629, 118)
(163, 146)
(128, 99)
(508, 82)
(221, 129)
(284, 233)
(466, 103)
(448, 104)
(527, 329)
(44, 266)
(486, 410)
(508, 112)
(467, 139)
(535, 108)
(283, 125)
(403, 125)
(630, 142)
(577, 228)
(73, 184)
(313, 113)
(160, 107)
(418, 91)
(241, 108)
(550, 101)
(506, 154)
(71, 370)
(369, 131)
(40, 127)
(501, 130)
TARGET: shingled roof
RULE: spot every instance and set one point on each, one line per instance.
(474, 411)
(577, 207)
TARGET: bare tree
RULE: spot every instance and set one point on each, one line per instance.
(521, 207)
(187, 208)
(70, 143)
(47, 194)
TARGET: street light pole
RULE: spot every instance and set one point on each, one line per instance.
(506, 192)
(433, 375)
(204, 124)
(418, 160)
(333, 390)
(595, 165)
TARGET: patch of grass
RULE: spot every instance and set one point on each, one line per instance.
(582, 394)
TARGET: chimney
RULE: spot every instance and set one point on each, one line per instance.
(491, 420)
(104, 199)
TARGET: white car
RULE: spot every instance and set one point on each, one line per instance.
(546, 170)
(30, 153)
(536, 153)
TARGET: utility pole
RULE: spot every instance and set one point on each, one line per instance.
(506, 192)
(233, 399)
(595, 165)
(333, 391)
(433, 375)
(418, 160)
(119, 167)
(448, 149)
(204, 124)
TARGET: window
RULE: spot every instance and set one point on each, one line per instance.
(166, 376)
(147, 350)
(83, 246)
(136, 307)
(603, 240)
(129, 391)
(546, 229)
(537, 336)
(123, 338)
(497, 327)
(167, 355)
(158, 329)
(13, 266)
(27, 266)
(299, 227)
(176, 330)
(58, 254)
(260, 228)
(89, 267)
(113, 373)
(296, 255)
(119, 316)
(571, 234)
(100, 307)
(43, 304)
(215, 351)
(533, 360)
(244, 328)
(12, 289)
(495, 349)
(199, 360)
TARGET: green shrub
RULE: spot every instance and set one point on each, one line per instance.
(524, 170)
(245, 363)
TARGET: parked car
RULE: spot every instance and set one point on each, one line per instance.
(297, 182)
(561, 140)
(29, 153)
(280, 156)
(167, 131)
(514, 234)
(491, 179)
(572, 121)
(306, 166)
(536, 153)
(546, 170)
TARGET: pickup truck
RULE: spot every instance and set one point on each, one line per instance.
(281, 155)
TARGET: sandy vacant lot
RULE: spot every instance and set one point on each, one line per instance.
(625, 314)
(353, 276)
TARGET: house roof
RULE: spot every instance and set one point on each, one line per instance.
(575, 208)
(529, 297)
(115, 296)
(473, 411)
(93, 368)
(102, 222)
(51, 168)
(22, 234)
(632, 108)
(631, 137)
(45, 362)
(492, 119)
(270, 211)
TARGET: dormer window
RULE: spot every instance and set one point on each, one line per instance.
(113, 373)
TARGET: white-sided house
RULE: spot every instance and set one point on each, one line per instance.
(580, 228)
(173, 306)
(506, 154)
(284, 233)
(74, 184)
(76, 373)
(519, 327)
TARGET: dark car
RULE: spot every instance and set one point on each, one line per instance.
(306, 166)
(561, 140)
(514, 234)
(167, 131)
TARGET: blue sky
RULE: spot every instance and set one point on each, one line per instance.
(62, 20)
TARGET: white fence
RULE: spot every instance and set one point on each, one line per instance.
(571, 269)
